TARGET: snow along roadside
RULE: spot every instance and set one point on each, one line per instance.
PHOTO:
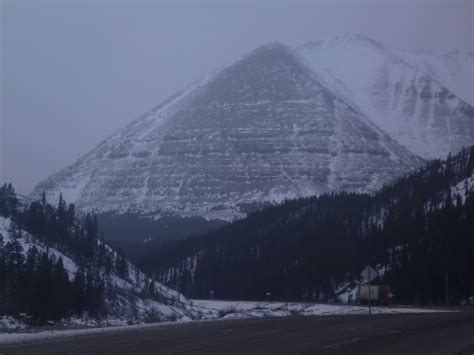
(17, 338)
(230, 310)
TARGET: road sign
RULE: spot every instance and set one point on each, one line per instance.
(369, 274)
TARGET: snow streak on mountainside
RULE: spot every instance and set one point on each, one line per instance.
(455, 69)
(262, 129)
(412, 102)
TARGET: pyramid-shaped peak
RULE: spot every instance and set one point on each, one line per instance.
(260, 130)
(268, 48)
(272, 45)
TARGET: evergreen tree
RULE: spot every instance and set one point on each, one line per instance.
(78, 292)
(39, 285)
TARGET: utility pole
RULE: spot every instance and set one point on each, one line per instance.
(177, 276)
(446, 286)
(370, 279)
(370, 300)
(287, 302)
(7, 291)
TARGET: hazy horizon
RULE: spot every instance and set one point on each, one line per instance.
(79, 71)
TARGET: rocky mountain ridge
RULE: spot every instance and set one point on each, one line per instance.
(281, 122)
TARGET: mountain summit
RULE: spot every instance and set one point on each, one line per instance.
(268, 127)
(414, 102)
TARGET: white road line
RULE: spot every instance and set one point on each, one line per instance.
(338, 344)
(359, 327)
(391, 332)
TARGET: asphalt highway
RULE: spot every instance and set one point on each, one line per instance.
(433, 333)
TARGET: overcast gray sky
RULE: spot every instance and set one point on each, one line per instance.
(73, 72)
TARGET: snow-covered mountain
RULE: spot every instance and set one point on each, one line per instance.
(419, 99)
(455, 69)
(265, 128)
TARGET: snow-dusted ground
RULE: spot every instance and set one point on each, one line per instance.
(245, 309)
(215, 310)
(10, 323)
(13, 338)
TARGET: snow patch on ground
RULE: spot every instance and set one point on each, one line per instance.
(212, 310)
(11, 324)
(15, 338)
(245, 309)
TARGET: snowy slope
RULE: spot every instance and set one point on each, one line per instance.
(404, 99)
(462, 189)
(123, 295)
(262, 129)
(27, 241)
(455, 70)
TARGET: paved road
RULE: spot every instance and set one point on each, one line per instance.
(441, 333)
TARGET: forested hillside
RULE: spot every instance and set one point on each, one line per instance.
(38, 283)
(420, 230)
(54, 265)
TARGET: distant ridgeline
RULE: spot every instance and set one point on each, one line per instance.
(136, 234)
(419, 229)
